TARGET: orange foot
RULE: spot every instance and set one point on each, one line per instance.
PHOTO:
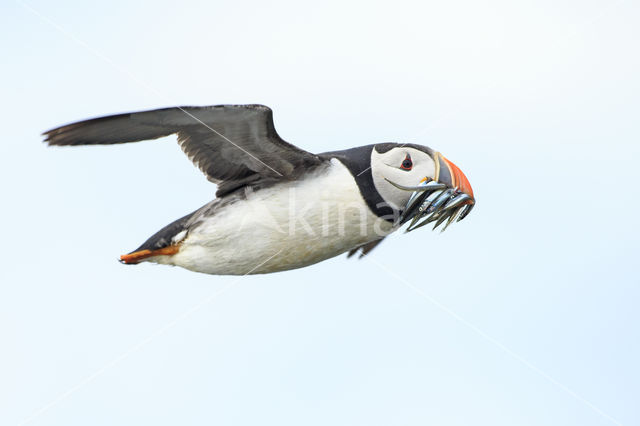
(138, 256)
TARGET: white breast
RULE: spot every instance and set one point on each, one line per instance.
(300, 222)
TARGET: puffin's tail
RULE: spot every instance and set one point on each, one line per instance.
(165, 242)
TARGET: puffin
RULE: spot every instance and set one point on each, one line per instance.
(278, 207)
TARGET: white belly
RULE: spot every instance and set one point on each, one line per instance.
(288, 226)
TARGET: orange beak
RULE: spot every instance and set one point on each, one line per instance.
(458, 179)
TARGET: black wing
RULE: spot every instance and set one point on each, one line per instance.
(364, 249)
(231, 144)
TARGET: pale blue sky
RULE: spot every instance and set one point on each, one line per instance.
(523, 314)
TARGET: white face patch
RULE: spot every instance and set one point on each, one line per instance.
(389, 165)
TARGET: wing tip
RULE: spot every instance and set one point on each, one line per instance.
(58, 136)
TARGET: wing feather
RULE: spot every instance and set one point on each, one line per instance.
(230, 144)
(364, 249)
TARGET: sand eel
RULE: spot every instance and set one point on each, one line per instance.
(273, 197)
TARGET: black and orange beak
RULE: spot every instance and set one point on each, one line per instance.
(454, 176)
(446, 197)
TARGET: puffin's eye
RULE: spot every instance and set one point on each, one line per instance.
(407, 164)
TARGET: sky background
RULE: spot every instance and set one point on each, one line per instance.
(526, 313)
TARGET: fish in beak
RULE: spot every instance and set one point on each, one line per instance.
(446, 198)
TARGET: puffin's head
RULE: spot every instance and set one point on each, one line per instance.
(420, 183)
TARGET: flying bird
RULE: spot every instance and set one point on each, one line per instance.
(278, 207)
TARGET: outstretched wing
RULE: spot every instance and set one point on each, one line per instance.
(231, 144)
(364, 249)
